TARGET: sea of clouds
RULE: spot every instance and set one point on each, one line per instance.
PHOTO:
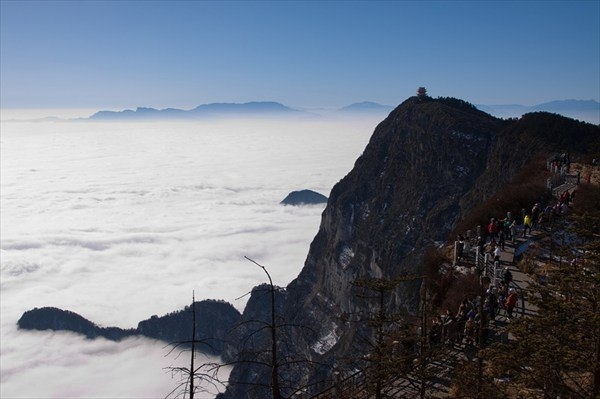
(121, 221)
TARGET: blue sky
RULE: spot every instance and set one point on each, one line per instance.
(114, 55)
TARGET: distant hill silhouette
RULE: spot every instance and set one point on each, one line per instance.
(214, 320)
(201, 111)
(366, 106)
(304, 197)
(50, 318)
(215, 110)
(583, 110)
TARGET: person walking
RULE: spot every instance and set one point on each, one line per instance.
(526, 224)
(507, 276)
(513, 230)
(492, 229)
(511, 302)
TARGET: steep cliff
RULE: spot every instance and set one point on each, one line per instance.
(400, 198)
(250, 344)
(429, 162)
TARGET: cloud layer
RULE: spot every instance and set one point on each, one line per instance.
(118, 222)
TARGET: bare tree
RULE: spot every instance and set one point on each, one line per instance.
(272, 327)
(268, 364)
(193, 376)
(392, 337)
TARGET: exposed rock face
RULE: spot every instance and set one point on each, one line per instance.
(401, 196)
(426, 164)
(250, 341)
(304, 197)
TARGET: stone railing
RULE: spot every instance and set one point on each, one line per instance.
(349, 387)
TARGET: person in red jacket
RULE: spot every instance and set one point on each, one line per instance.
(492, 229)
(511, 302)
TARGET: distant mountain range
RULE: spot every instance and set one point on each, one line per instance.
(216, 110)
(201, 111)
(366, 106)
(583, 110)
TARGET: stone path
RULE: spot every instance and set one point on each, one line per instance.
(521, 281)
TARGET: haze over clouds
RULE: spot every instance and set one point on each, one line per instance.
(118, 222)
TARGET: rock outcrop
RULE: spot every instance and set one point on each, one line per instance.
(250, 341)
(304, 197)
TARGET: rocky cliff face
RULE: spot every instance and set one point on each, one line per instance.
(427, 163)
(250, 344)
(401, 197)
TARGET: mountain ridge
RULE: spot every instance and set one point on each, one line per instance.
(584, 110)
(201, 111)
(365, 106)
(214, 320)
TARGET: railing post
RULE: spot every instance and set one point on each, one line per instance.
(337, 382)
(496, 266)
(455, 253)
(485, 263)
(496, 275)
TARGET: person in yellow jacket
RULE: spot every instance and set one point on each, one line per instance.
(526, 224)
